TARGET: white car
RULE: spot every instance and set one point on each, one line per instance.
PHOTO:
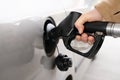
(22, 53)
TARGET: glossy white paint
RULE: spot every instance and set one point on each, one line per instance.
(22, 53)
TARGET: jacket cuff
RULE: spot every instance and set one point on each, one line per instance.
(104, 9)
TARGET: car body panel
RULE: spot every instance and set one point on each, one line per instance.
(22, 52)
(22, 55)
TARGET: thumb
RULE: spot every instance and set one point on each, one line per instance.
(80, 28)
(79, 25)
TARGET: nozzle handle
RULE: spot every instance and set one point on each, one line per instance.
(69, 32)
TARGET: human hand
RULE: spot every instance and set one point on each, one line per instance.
(90, 16)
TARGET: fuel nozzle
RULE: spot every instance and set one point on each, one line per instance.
(67, 31)
(113, 29)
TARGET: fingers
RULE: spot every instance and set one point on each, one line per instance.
(79, 27)
(85, 38)
(91, 40)
(78, 38)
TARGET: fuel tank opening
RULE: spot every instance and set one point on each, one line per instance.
(49, 43)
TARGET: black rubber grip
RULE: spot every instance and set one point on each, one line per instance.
(92, 27)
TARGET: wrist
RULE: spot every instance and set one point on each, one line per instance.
(94, 15)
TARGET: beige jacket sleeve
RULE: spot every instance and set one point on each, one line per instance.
(109, 9)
